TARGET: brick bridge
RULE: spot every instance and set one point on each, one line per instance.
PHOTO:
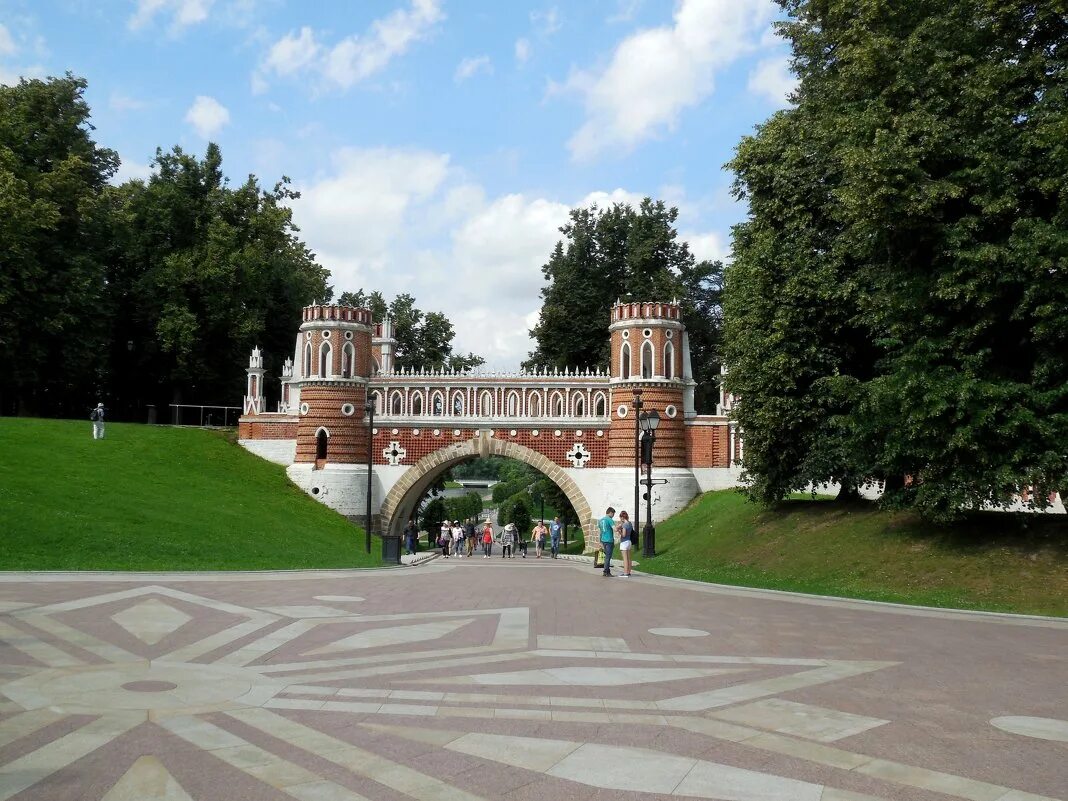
(577, 428)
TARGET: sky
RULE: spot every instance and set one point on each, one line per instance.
(438, 145)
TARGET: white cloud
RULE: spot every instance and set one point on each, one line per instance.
(7, 44)
(625, 10)
(292, 53)
(706, 246)
(410, 221)
(355, 58)
(773, 80)
(657, 73)
(522, 50)
(183, 13)
(471, 66)
(547, 22)
(10, 77)
(120, 102)
(130, 170)
(207, 115)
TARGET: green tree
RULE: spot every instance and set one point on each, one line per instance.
(622, 253)
(54, 235)
(520, 516)
(897, 305)
(432, 514)
(205, 272)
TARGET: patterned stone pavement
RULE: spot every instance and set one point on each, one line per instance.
(527, 679)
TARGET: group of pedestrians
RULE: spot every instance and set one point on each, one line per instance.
(460, 540)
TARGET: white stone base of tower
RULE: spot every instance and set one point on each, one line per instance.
(614, 486)
(342, 487)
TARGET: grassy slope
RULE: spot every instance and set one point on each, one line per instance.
(155, 498)
(994, 561)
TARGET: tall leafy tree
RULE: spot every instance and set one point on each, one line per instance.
(622, 253)
(54, 230)
(206, 271)
(897, 308)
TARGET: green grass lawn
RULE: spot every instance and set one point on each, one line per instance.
(995, 561)
(157, 498)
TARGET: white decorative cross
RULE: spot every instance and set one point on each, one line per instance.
(394, 453)
(578, 455)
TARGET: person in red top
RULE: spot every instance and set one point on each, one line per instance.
(487, 539)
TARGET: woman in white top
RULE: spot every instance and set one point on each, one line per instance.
(457, 538)
(626, 541)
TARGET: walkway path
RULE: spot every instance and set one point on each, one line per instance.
(529, 679)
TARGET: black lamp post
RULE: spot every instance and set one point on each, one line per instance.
(369, 407)
(649, 421)
(637, 456)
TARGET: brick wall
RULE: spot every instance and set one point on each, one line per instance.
(708, 445)
(555, 448)
(262, 426)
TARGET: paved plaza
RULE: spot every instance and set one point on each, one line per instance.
(527, 679)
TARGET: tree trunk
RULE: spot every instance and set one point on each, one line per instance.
(847, 493)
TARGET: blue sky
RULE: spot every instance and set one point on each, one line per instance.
(438, 144)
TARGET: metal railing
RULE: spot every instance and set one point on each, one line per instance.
(190, 414)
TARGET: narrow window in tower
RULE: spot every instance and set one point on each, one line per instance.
(252, 386)
(669, 360)
(321, 440)
(513, 405)
(324, 361)
(558, 406)
(348, 355)
(376, 368)
(376, 399)
(395, 404)
(534, 406)
(417, 403)
(600, 405)
(624, 361)
(438, 404)
(580, 407)
(307, 360)
(487, 405)
(647, 360)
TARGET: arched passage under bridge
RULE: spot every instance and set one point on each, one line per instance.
(399, 503)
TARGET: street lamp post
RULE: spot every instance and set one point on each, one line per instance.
(649, 421)
(369, 407)
(637, 454)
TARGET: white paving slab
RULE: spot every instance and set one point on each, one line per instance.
(152, 620)
(670, 632)
(393, 635)
(572, 642)
(597, 676)
(1042, 728)
(147, 780)
(801, 720)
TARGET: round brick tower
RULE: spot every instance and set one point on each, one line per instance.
(332, 368)
(647, 355)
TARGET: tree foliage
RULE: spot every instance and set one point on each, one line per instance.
(622, 253)
(54, 240)
(897, 308)
(204, 273)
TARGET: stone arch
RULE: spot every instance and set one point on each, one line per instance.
(399, 504)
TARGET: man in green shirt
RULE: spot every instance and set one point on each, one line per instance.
(607, 527)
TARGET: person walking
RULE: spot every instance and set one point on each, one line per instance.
(540, 532)
(469, 535)
(554, 537)
(445, 539)
(446, 533)
(606, 525)
(626, 542)
(487, 540)
(97, 416)
(411, 535)
(507, 538)
(457, 539)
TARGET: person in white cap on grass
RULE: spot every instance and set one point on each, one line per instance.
(97, 416)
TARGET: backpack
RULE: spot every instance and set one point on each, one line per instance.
(94, 415)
